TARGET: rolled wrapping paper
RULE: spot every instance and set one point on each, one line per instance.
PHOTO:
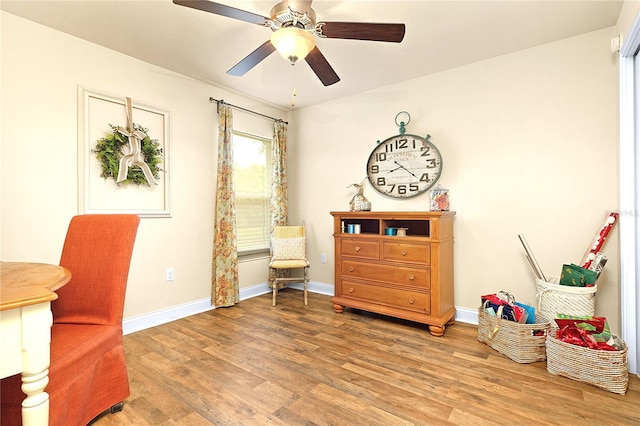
(598, 240)
(598, 264)
(532, 260)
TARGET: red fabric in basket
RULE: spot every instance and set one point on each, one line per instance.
(577, 336)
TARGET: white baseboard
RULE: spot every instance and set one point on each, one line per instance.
(314, 287)
(152, 319)
(466, 315)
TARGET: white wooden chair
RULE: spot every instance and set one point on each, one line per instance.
(288, 251)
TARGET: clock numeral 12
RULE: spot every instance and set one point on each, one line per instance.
(397, 144)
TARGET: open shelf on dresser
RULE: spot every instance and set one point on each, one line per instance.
(419, 228)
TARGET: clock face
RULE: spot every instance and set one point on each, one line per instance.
(404, 166)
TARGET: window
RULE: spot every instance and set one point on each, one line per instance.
(252, 181)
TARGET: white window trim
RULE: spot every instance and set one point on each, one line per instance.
(630, 196)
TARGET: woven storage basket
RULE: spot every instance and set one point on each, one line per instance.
(513, 339)
(604, 369)
(554, 299)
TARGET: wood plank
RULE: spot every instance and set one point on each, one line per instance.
(307, 365)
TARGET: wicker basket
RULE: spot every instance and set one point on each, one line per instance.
(513, 339)
(554, 299)
(604, 369)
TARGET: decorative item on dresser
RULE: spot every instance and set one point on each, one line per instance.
(409, 277)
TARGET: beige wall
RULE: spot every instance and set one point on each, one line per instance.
(529, 142)
(528, 139)
(41, 70)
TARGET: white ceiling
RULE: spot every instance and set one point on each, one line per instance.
(439, 35)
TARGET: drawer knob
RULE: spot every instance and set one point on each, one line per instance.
(403, 252)
(357, 248)
(351, 268)
(350, 289)
(412, 277)
(411, 300)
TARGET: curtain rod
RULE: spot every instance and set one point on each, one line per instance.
(211, 99)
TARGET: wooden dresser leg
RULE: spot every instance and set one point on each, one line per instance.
(338, 308)
(436, 330)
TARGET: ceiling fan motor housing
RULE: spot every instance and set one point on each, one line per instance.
(293, 14)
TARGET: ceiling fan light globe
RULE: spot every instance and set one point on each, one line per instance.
(293, 43)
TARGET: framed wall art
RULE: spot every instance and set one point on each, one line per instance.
(123, 156)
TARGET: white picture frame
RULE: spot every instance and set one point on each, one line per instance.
(96, 194)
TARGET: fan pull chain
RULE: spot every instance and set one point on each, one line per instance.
(294, 93)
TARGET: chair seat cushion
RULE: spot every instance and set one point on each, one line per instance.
(88, 372)
(79, 347)
(291, 263)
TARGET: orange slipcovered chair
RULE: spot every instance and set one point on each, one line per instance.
(87, 374)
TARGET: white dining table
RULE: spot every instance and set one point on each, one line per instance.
(26, 292)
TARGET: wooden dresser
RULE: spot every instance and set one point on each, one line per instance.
(409, 277)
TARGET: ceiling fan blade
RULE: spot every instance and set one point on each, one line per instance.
(321, 67)
(363, 31)
(253, 59)
(221, 9)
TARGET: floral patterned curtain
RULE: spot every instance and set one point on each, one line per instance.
(279, 186)
(225, 289)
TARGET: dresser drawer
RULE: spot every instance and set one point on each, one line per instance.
(414, 277)
(406, 252)
(360, 248)
(404, 299)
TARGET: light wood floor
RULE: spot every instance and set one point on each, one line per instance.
(254, 364)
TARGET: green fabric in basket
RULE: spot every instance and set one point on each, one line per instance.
(577, 276)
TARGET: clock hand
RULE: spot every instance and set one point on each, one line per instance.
(403, 167)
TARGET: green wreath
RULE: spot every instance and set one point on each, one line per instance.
(109, 152)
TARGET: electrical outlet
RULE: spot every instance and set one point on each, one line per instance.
(323, 258)
(169, 274)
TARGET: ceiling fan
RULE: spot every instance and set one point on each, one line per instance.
(294, 25)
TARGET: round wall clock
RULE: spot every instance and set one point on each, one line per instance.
(404, 165)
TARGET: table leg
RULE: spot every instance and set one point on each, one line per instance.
(36, 342)
(35, 407)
